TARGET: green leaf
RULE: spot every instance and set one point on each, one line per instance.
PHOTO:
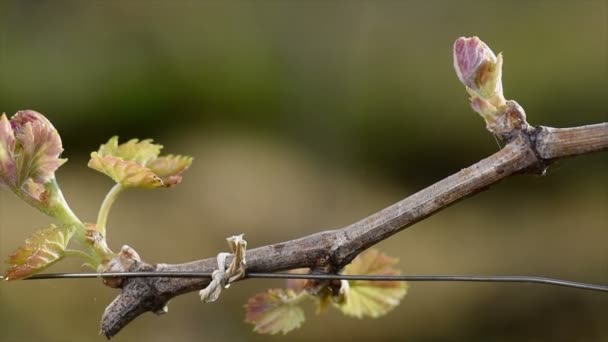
(170, 168)
(275, 311)
(137, 164)
(40, 251)
(140, 152)
(125, 172)
(372, 298)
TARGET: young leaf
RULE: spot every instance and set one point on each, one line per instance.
(29, 152)
(170, 168)
(40, 147)
(125, 172)
(372, 298)
(275, 311)
(29, 156)
(137, 164)
(298, 285)
(40, 251)
(140, 152)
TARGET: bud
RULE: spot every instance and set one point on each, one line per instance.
(29, 152)
(29, 156)
(510, 117)
(479, 69)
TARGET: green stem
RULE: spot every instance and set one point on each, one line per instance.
(80, 254)
(60, 207)
(102, 217)
(56, 207)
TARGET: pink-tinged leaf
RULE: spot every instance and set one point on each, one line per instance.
(140, 152)
(29, 156)
(274, 311)
(29, 149)
(372, 298)
(125, 172)
(298, 285)
(22, 117)
(136, 164)
(7, 150)
(170, 168)
(38, 157)
(40, 251)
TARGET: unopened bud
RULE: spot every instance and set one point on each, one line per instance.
(479, 69)
(29, 156)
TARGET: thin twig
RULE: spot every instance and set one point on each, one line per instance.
(425, 278)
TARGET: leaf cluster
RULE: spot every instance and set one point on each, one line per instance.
(279, 310)
(29, 156)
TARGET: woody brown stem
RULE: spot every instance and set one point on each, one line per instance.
(529, 150)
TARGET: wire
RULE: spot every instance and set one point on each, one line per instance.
(451, 278)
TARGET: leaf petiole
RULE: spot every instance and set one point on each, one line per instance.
(104, 210)
(89, 260)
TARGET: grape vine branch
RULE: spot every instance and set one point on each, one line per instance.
(30, 149)
(529, 150)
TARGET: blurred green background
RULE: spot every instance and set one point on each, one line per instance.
(306, 116)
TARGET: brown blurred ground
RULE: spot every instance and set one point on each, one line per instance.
(309, 116)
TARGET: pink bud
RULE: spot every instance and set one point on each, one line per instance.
(22, 117)
(479, 69)
(29, 152)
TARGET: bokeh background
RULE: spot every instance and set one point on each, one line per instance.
(306, 116)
